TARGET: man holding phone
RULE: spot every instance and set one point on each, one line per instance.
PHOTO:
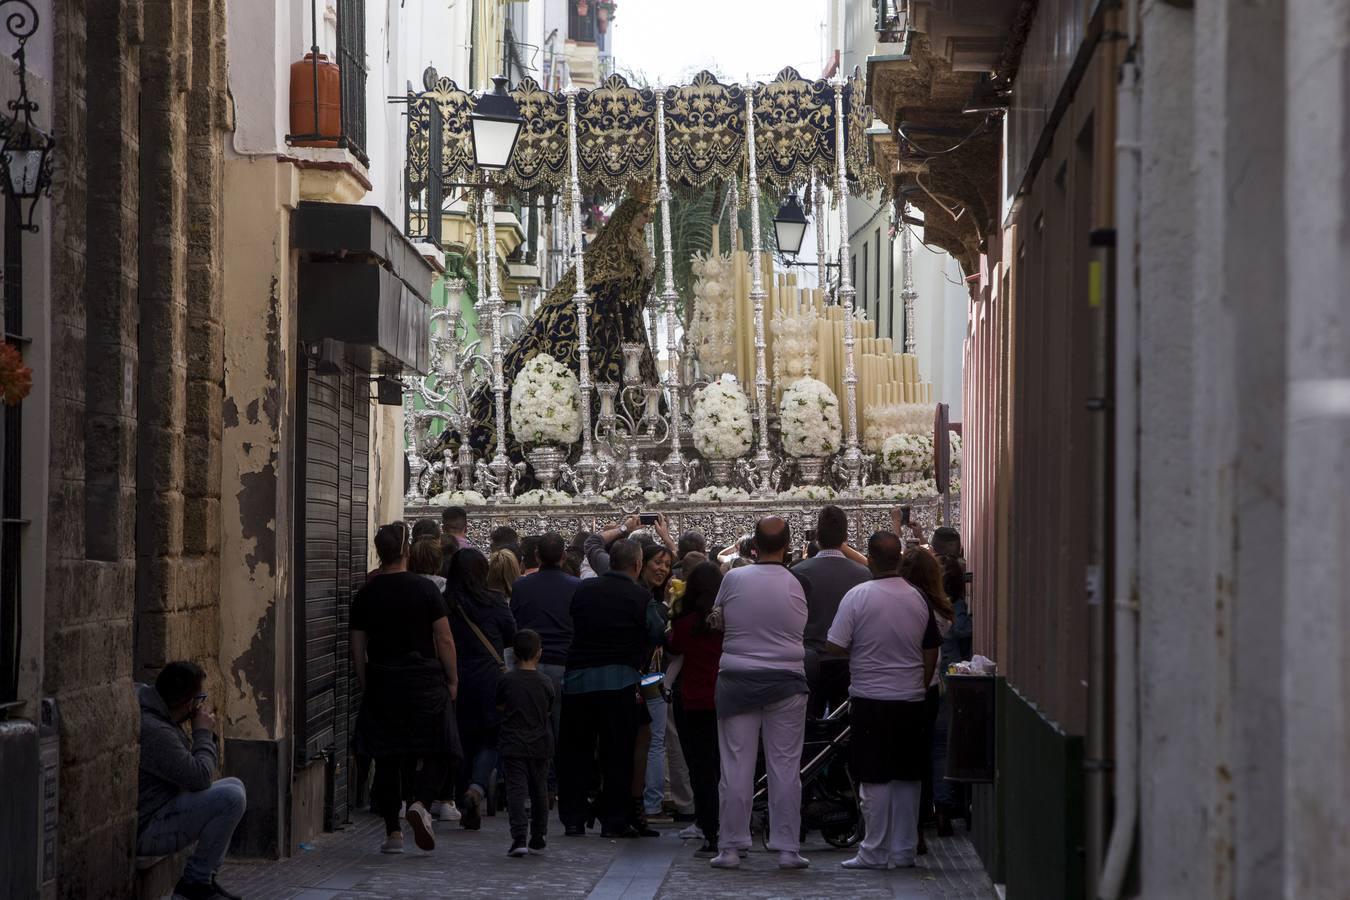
(179, 804)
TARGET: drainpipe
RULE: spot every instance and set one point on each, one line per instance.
(1125, 589)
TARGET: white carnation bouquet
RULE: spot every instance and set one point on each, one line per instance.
(794, 344)
(914, 490)
(545, 403)
(807, 492)
(882, 421)
(907, 452)
(809, 417)
(458, 498)
(712, 333)
(541, 497)
(954, 440)
(716, 494)
(722, 425)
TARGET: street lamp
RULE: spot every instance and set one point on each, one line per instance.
(496, 124)
(790, 226)
(25, 152)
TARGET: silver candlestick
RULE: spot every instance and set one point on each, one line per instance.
(907, 293)
(501, 463)
(585, 467)
(852, 454)
(818, 202)
(674, 466)
(764, 486)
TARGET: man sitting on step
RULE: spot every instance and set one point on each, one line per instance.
(179, 803)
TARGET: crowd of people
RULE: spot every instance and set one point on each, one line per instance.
(629, 679)
(605, 673)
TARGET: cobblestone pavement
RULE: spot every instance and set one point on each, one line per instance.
(346, 865)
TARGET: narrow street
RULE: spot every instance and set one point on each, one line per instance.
(348, 864)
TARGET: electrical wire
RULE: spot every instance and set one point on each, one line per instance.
(978, 129)
(956, 217)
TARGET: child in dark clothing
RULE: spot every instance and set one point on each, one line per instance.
(525, 697)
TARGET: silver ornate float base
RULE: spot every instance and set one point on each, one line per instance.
(811, 469)
(546, 462)
(721, 523)
(903, 477)
(720, 471)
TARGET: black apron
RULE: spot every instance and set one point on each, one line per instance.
(889, 740)
(406, 709)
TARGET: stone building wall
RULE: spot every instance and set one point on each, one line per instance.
(133, 548)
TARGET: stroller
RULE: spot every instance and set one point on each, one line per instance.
(829, 794)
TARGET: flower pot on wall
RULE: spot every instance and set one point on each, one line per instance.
(602, 19)
(583, 7)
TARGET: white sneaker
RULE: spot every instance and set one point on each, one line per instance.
(393, 843)
(691, 832)
(791, 859)
(858, 862)
(726, 859)
(444, 811)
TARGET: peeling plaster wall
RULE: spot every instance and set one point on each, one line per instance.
(386, 470)
(258, 432)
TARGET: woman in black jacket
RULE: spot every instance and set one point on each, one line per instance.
(483, 627)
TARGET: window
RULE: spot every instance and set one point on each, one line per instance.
(581, 28)
(862, 288)
(12, 522)
(351, 53)
(877, 289)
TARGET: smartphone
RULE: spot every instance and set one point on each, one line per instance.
(904, 515)
(648, 518)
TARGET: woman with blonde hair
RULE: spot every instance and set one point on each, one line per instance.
(503, 570)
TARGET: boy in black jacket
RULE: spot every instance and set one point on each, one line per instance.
(526, 697)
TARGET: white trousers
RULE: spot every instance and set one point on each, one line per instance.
(783, 725)
(891, 814)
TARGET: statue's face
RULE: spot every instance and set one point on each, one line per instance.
(642, 218)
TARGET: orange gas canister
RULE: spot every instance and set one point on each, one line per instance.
(303, 100)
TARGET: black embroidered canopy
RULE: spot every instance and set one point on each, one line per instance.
(617, 139)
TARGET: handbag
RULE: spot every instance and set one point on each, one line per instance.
(482, 638)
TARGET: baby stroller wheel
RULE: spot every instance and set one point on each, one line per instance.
(844, 836)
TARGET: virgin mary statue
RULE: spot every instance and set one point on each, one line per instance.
(618, 278)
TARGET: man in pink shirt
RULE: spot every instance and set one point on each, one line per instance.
(888, 633)
(761, 688)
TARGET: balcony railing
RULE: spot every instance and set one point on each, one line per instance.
(891, 21)
(351, 62)
(351, 53)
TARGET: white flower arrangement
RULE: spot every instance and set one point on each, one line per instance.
(626, 494)
(722, 425)
(914, 490)
(458, 498)
(880, 422)
(545, 403)
(794, 344)
(541, 497)
(954, 440)
(712, 333)
(907, 453)
(809, 416)
(807, 492)
(717, 494)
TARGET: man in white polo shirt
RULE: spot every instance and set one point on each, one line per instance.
(887, 631)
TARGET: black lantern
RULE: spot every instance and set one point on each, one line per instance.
(25, 152)
(790, 226)
(496, 123)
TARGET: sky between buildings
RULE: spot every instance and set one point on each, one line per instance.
(668, 42)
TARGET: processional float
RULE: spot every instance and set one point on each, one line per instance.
(638, 441)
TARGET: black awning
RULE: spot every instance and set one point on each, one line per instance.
(363, 283)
